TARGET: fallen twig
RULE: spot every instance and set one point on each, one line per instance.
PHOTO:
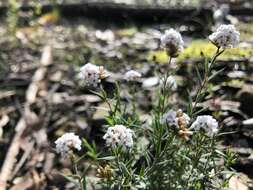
(28, 118)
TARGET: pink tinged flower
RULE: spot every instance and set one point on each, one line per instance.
(172, 42)
(226, 36)
(92, 74)
(119, 136)
(207, 123)
(67, 143)
(171, 118)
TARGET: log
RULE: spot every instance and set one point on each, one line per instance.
(133, 13)
(10, 158)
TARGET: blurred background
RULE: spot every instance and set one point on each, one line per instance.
(43, 44)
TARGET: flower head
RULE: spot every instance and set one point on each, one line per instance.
(66, 143)
(105, 172)
(175, 118)
(171, 83)
(132, 75)
(226, 36)
(119, 135)
(207, 123)
(92, 74)
(172, 42)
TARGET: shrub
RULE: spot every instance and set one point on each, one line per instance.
(177, 150)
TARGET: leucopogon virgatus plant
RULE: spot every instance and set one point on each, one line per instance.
(177, 150)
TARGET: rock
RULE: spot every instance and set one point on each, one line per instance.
(91, 98)
(107, 35)
(101, 112)
(237, 183)
(62, 97)
(244, 165)
(236, 74)
(57, 76)
(247, 126)
(242, 151)
(220, 104)
(248, 122)
(245, 96)
(81, 122)
(150, 82)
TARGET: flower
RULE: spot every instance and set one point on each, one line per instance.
(132, 75)
(226, 36)
(175, 118)
(170, 83)
(172, 42)
(66, 143)
(105, 172)
(92, 74)
(119, 135)
(207, 123)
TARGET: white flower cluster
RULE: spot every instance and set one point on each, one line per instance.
(171, 83)
(119, 135)
(172, 117)
(206, 123)
(172, 41)
(67, 143)
(92, 74)
(226, 36)
(132, 75)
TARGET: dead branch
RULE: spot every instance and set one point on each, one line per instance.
(13, 151)
(28, 118)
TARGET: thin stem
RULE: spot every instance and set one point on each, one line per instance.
(211, 153)
(75, 171)
(198, 154)
(206, 77)
(168, 142)
(105, 98)
(133, 91)
(169, 63)
(164, 92)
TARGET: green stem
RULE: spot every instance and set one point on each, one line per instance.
(206, 78)
(159, 157)
(164, 91)
(211, 153)
(75, 171)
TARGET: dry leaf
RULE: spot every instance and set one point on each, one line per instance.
(49, 18)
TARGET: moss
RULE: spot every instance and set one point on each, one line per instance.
(198, 48)
(127, 31)
(159, 56)
(235, 83)
(201, 47)
(246, 30)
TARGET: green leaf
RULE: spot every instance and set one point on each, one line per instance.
(189, 109)
(87, 145)
(206, 65)
(198, 75)
(124, 168)
(215, 74)
(98, 94)
(199, 111)
(107, 158)
(84, 184)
